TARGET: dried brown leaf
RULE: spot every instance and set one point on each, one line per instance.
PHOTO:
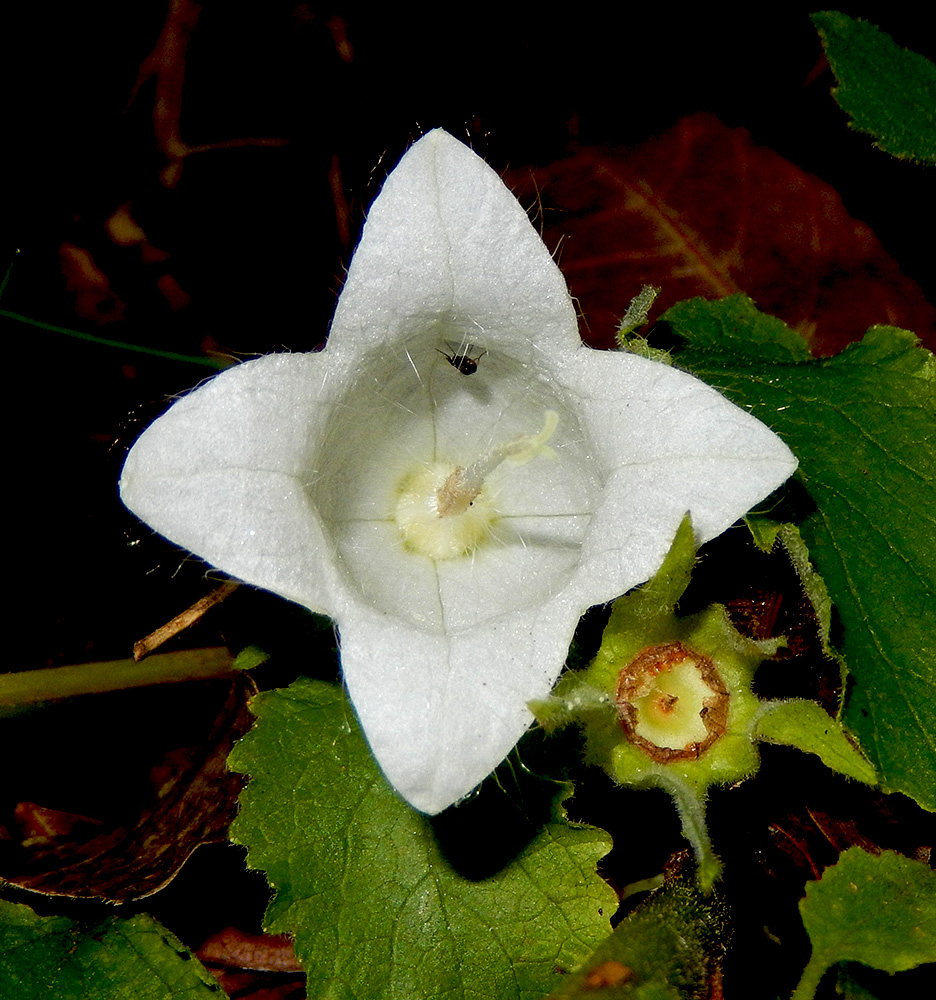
(194, 800)
(237, 949)
(702, 211)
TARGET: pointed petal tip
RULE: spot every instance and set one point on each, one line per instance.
(440, 139)
(432, 799)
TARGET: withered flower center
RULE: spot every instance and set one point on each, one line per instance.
(672, 703)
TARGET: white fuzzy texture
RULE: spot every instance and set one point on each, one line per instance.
(283, 471)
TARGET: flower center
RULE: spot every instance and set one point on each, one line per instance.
(444, 510)
(671, 702)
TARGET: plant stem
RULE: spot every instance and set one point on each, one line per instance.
(106, 342)
(809, 982)
(691, 808)
(31, 686)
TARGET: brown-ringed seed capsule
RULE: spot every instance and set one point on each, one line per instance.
(671, 702)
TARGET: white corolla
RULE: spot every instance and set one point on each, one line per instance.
(455, 478)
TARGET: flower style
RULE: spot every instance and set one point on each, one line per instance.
(455, 478)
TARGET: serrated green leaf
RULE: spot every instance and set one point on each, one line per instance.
(888, 91)
(734, 325)
(878, 910)
(366, 886)
(806, 725)
(113, 959)
(861, 424)
(661, 951)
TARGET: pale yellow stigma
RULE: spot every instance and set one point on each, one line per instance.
(671, 702)
(670, 713)
(443, 510)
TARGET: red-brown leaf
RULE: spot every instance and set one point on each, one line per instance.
(702, 211)
(194, 800)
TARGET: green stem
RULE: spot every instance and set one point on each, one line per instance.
(31, 686)
(809, 982)
(691, 808)
(105, 342)
(9, 271)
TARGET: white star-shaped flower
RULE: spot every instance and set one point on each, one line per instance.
(455, 478)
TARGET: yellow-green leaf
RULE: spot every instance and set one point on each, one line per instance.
(878, 910)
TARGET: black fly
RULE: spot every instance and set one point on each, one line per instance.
(465, 362)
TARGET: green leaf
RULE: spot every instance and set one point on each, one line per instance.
(735, 326)
(384, 902)
(661, 951)
(878, 910)
(250, 658)
(112, 959)
(805, 725)
(861, 424)
(887, 91)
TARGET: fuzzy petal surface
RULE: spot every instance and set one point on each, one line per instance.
(285, 471)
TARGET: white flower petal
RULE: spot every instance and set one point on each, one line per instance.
(286, 471)
(462, 695)
(673, 443)
(448, 248)
(223, 472)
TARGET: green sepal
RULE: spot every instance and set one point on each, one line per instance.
(637, 312)
(636, 343)
(764, 531)
(573, 700)
(813, 585)
(646, 618)
(805, 725)
(734, 756)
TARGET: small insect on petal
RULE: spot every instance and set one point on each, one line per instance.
(463, 359)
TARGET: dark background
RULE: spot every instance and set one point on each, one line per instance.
(258, 236)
